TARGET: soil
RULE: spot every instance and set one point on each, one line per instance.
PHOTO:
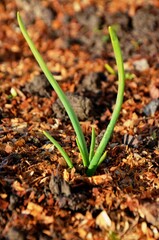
(40, 198)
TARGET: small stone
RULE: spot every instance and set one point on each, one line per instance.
(103, 220)
(141, 65)
(151, 108)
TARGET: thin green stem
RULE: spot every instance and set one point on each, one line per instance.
(92, 146)
(61, 150)
(121, 75)
(102, 158)
(110, 69)
(58, 90)
(81, 152)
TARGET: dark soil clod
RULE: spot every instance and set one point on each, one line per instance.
(81, 105)
(39, 86)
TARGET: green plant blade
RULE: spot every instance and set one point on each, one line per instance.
(102, 158)
(81, 152)
(110, 69)
(92, 146)
(121, 75)
(61, 150)
(58, 90)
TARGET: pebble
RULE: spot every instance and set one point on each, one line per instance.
(141, 65)
(151, 108)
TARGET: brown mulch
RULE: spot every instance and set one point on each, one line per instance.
(40, 198)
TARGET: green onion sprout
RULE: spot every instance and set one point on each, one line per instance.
(91, 157)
